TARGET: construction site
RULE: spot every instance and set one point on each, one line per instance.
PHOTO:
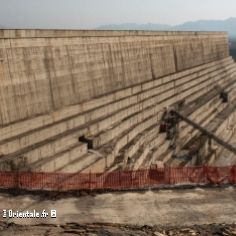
(92, 112)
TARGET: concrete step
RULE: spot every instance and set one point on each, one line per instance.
(153, 144)
(31, 138)
(51, 148)
(16, 129)
(125, 126)
(113, 156)
(188, 130)
(133, 147)
(205, 109)
(218, 124)
(90, 162)
(107, 135)
(60, 160)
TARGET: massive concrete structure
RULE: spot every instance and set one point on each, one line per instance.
(80, 101)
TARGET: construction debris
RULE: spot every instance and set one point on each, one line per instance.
(8, 229)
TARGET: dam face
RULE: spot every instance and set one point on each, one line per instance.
(93, 101)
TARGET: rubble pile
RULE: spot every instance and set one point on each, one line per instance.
(8, 229)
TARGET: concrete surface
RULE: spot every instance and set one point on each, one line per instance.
(109, 86)
(43, 71)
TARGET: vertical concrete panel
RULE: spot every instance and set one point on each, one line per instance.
(48, 70)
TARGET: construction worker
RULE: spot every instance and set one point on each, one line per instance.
(163, 125)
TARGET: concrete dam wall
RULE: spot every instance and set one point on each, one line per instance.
(43, 71)
(93, 100)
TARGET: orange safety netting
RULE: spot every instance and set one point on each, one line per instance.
(118, 180)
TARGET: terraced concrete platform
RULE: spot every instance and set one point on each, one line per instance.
(93, 101)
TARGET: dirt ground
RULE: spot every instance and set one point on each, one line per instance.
(114, 230)
(160, 212)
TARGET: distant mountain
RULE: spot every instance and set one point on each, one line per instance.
(228, 25)
(133, 26)
(2, 27)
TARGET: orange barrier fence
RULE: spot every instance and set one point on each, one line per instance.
(118, 180)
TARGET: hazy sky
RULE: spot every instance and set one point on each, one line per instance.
(93, 13)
